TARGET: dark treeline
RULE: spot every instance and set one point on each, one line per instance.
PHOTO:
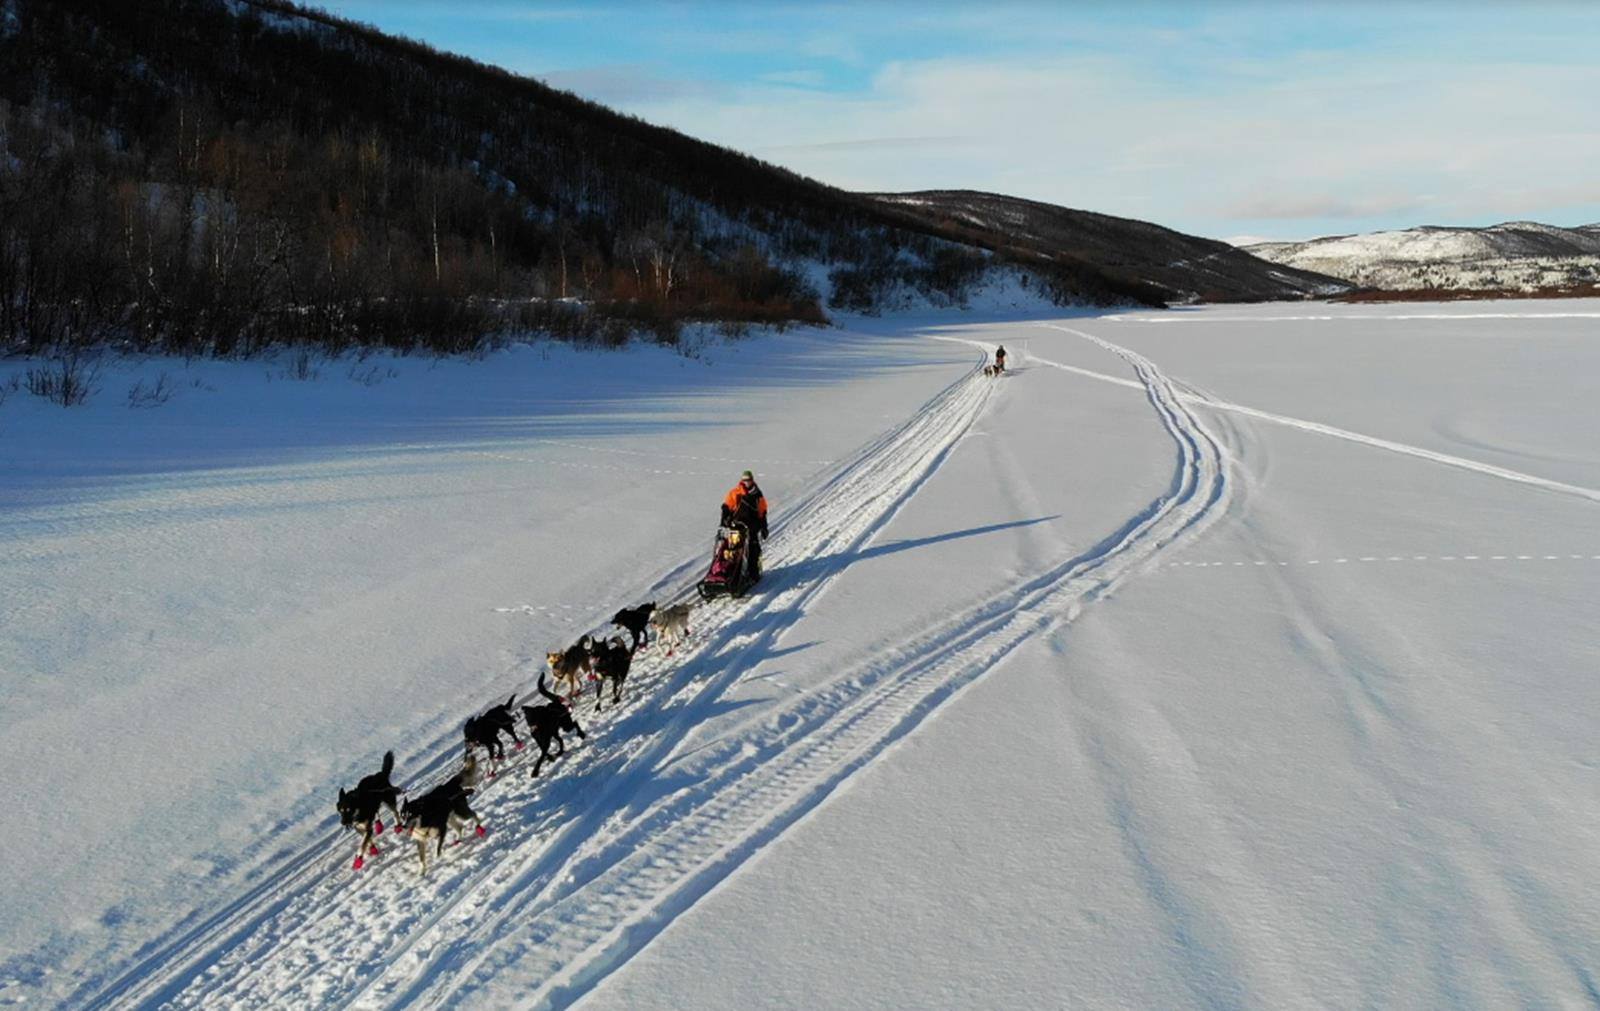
(213, 176)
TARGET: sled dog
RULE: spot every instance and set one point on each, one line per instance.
(484, 731)
(430, 817)
(546, 724)
(610, 660)
(636, 620)
(671, 625)
(359, 808)
(568, 666)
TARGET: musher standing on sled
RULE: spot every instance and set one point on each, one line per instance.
(1000, 358)
(745, 506)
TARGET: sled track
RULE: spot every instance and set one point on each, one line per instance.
(313, 931)
(1192, 395)
(551, 948)
(584, 866)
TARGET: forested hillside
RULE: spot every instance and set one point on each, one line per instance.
(1183, 266)
(220, 175)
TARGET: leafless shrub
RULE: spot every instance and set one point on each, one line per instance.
(68, 381)
(153, 395)
(300, 367)
(372, 375)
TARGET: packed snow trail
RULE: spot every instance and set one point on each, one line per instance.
(1280, 787)
(585, 865)
(260, 947)
(1191, 395)
(752, 785)
(1164, 803)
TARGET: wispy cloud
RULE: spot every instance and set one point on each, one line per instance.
(1222, 118)
(796, 78)
(630, 84)
(873, 144)
(502, 13)
(1295, 207)
(1367, 145)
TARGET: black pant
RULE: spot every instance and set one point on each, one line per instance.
(752, 550)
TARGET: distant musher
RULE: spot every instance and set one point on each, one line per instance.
(999, 359)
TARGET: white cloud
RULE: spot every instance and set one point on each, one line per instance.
(1352, 139)
(873, 144)
(1300, 206)
(629, 85)
(797, 78)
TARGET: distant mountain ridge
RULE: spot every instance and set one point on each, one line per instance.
(1515, 256)
(1187, 267)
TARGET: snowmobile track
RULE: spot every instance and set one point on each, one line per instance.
(263, 945)
(585, 865)
(762, 780)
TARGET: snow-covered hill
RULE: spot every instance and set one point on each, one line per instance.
(1515, 256)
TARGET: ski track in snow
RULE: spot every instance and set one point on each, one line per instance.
(268, 945)
(585, 865)
(1194, 396)
(1388, 559)
(757, 782)
(1351, 318)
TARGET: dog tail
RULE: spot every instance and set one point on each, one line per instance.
(547, 693)
(388, 763)
(512, 699)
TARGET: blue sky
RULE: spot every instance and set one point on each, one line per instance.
(1279, 120)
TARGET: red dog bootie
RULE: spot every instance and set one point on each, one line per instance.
(358, 864)
(377, 827)
(373, 851)
(482, 831)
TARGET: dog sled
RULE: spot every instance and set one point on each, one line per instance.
(733, 570)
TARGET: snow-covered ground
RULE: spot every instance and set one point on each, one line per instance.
(1235, 656)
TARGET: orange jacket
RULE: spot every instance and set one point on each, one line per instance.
(737, 495)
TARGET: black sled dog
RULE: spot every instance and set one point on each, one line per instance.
(359, 808)
(636, 620)
(430, 817)
(610, 661)
(484, 732)
(546, 724)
